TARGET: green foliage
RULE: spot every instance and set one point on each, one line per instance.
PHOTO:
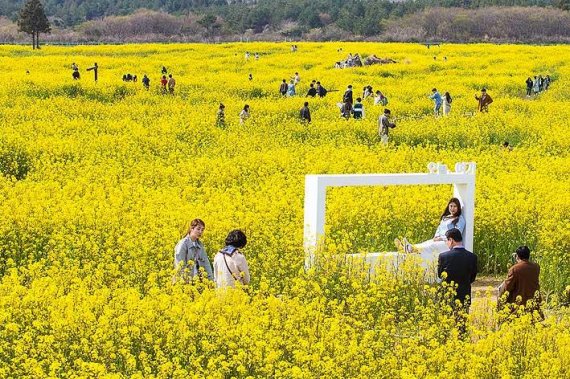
(14, 162)
(358, 16)
(33, 20)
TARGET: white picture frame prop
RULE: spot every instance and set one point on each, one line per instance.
(463, 181)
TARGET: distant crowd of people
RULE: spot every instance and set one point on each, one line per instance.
(349, 107)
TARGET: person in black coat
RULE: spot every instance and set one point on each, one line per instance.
(305, 113)
(348, 96)
(459, 264)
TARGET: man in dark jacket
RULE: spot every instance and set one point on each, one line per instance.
(321, 91)
(522, 279)
(312, 91)
(283, 88)
(348, 96)
(459, 264)
(305, 113)
(528, 86)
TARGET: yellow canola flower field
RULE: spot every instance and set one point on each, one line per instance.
(100, 180)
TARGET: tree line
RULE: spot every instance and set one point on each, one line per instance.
(356, 16)
(306, 20)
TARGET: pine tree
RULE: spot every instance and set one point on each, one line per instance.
(32, 20)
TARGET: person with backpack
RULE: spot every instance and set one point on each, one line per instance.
(358, 109)
(283, 88)
(447, 103)
(190, 258)
(230, 265)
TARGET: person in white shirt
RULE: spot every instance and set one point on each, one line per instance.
(230, 265)
(430, 249)
(244, 114)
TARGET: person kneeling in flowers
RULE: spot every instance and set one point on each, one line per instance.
(230, 265)
(430, 249)
(190, 258)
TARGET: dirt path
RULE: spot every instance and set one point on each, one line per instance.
(484, 284)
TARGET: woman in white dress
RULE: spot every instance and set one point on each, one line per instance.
(430, 249)
(446, 103)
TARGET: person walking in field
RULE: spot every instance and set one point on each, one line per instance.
(221, 116)
(146, 82)
(528, 86)
(296, 78)
(244, 114)
(190, 258)
(163, 83)
(291, 88)
(483, 101)
(283, 88)
(436, 97)
(345, 109)
(358, 109)
(171, 84)
(447, 103)
(230, 265)
(380, 99)
(384, 125)
(347, 96)
(536, 85)
(305, 113)
(75, 75)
